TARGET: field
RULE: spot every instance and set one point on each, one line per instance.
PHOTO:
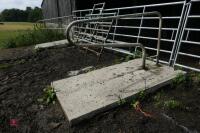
(12, 29)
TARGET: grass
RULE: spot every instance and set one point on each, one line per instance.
(12, 29)
(172, 104)
(49, 95)
(14, 26)
(22, 34)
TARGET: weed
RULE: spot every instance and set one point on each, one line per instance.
(172, 104)
(158, 96)
(49, 95)
(134, 104)
(32, 37)
(141, 95)
(179, 79)
(137, 54)
(121, 101)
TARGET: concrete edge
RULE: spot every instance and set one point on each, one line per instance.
(60, 43)
(115, 105)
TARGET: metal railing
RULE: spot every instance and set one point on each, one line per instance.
(144, 25)
(78, 22)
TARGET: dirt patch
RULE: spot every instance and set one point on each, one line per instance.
(26, 74)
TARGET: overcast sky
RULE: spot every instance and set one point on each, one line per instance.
(20, 4)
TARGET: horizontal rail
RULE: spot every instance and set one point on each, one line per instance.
(120, 45)
(56, 18)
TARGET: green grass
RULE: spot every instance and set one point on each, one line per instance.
(14, 26)
(22, 34)
(12, 29)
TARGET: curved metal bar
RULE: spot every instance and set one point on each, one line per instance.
(68, 29)
(120, 45)
(51, 19)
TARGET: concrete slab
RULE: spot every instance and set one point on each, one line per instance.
(51, 44)
(85, 95)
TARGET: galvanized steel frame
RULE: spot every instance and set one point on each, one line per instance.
(80, 13)
(69, 38)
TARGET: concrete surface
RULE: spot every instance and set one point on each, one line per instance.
(86, 95)
(51, 44)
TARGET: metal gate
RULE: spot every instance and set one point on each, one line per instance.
(180, 32)
(144, 29)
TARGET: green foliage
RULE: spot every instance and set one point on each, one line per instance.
(34, 15)
(172, 104)
(32, 37)
(10, 43)
(179, 79)
(1, 18)
(158, 96)
(128, 58)
(121, 101)
(161, 102)
(137, 54)
(17, 15)
(134, 104)
(142, 95)
(49, 95)
(139, 97)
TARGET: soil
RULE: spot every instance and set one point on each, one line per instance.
(24, 73)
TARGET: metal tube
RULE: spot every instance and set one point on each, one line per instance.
(119, 17)
(143, 37)
(120, 45)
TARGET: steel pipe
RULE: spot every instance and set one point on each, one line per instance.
(69, 27)
(120, 45)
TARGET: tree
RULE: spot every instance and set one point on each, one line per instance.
(0, 18)
(16, 15)
(35, 15)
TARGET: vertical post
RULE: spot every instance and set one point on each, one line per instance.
(140, 28)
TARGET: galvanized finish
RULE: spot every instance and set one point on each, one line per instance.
(68, 30)
(189, 32)
(118, 45)
(142, 28)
